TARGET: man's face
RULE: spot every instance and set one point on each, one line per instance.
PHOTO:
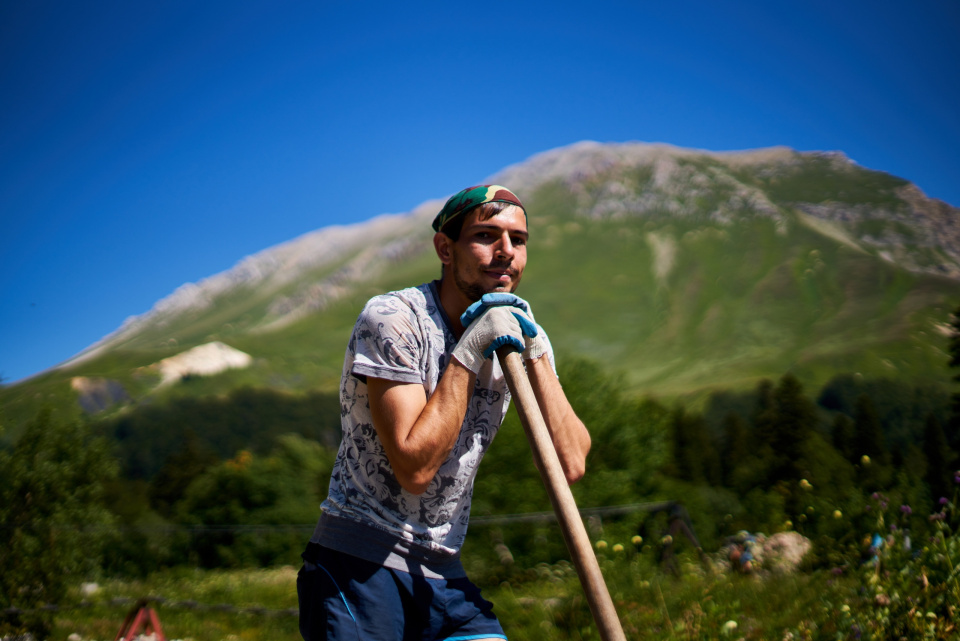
(490, 254)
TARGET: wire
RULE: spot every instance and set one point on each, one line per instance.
(241, 528)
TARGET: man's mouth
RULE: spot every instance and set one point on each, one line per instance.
(500, 273)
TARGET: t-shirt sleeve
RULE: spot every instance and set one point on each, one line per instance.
(388, 342)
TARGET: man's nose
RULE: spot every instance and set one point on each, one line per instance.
(504, 247)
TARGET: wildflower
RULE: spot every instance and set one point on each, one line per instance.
(601, 545)
(667, 540)
(805, 484)
(865, 460)
(837, 514)
(809, 509)
(618, 548)
(931, 615)
(845, 608)
(906, 509)
(943, 500)
(729, 627)
(788, 525)
(637, 539)
(956, 477)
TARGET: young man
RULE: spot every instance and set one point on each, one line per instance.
(422, 396)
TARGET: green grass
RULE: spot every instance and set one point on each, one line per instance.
(271, 590)
(542, 602)
(546, 601)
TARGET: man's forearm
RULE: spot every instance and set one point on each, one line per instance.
(570, 436)
(418, 433)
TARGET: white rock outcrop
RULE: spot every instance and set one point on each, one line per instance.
(203, 360)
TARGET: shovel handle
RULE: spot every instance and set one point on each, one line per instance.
(574, 534)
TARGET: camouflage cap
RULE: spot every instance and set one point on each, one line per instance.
(471, 197)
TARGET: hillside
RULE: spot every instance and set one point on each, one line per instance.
(687, 270)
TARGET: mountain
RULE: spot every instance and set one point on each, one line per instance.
(684, 269)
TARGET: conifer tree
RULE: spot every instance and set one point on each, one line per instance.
(764, 418)
(735, 446)
(869, 439)
(844, 437)
(796, 420)
(953, 348)
(695, 457)
(939, 457)
(764, 431)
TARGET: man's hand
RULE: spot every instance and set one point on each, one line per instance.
(495, 327)
(534, 345)
(495, 299)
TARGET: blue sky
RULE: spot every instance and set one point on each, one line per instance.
(145, 145)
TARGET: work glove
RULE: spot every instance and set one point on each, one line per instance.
(534, 344)
(494, 328)
(494, 299)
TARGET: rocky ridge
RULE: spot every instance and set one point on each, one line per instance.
(657, 181)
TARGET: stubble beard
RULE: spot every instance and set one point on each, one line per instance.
(475, 291)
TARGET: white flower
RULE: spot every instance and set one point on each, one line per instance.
(729, 627)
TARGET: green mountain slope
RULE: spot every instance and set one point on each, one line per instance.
(686, 270)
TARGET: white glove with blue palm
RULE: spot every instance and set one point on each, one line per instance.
(533, 346)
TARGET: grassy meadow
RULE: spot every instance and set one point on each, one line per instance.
(902, 593)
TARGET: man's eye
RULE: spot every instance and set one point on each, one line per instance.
(519, 241)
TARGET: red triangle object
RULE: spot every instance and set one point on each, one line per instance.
(141, 616)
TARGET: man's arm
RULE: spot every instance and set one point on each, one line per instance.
(418, 433)
(570, 436)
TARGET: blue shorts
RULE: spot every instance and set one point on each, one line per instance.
(345, 598)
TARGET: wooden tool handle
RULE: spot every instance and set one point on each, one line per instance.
(575, 535)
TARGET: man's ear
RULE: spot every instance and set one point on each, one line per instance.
(443, 245)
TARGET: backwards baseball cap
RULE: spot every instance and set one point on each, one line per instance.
(462, 202)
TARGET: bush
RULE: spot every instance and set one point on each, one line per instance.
(51, 508)
(247, 511)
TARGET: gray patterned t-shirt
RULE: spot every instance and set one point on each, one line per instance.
(405, 336)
